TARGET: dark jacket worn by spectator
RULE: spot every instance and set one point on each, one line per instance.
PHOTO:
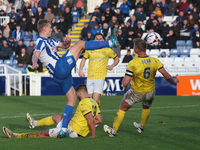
(5, 51)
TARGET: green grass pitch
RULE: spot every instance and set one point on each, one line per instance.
(174, 124)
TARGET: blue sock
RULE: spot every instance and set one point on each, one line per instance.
(67, 115)
(92, 45)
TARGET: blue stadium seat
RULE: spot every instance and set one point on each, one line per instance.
(174, 53)
(22, 69)
(184, 53)
(14, 63)
(180, 43)
(1, 61)
(189, 43)
(12, 57)
(8, 62)
(26, 42)
(189, 47)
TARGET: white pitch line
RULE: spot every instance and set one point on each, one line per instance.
(132, 109)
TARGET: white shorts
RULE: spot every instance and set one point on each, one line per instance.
(95, 85)
(132, 97)
(53, 133)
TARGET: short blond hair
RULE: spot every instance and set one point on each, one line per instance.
(42, 23)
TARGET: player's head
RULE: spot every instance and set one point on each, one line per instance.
(139, 44)
(44, 25)
(81, 90)
(99, 37)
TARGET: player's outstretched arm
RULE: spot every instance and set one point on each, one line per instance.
(116, 61)
(126, 80)
(35, 59)
(81, 73)
(168, 77)
(91, 124)
(98, 119)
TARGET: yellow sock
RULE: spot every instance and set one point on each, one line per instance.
(118, 119)
(48, 121)
(145, 116)
(27, 135)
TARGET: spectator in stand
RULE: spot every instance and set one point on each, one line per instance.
(160, 21)
(63, 5)
(19, 17)
(2, 7)
(191, 20)
(119, 15)
(143, 4)
(195, 14)
(56, 10)
(190, 8)
(40, 14)
(35, 8)
(9, 7)
(96, 29)
(176, 29)
(23, 23)
(12, 24)
(12, 13)
(97, 13)
(140, 14)
(114, 32)
(7, 32)
(53, 22)
(5, 51)
(155, 26)
(80, 7)
(30, 48)
(196, 39)
(183, 5)
(68, 17)
(169, 41)
(57, 34)
(26, 8)
(149, 22)
(88, 37)
(75, 13)
(125, 8)
(2, 13)
(193, 31)
(106, 31)
(121, 39)
(128, 57)
(163, 6)
(23, 59)
(172, 8)
(49, 16)
(19, 47)
(164, 29)
(52, 2)
(185, 30)
(104, 6)
(157, 11)
(18, 5)
(63, 26)
(151, 7)
(32, 26)
(85, 30)
(11, 43)
(92, 22)
(139, 31)
(108, 15)
(1, 38)
(133, 21)
(180, 18)
(17, 34)
(130, 37)
(113, 4)
(112, 22)
(29, 15)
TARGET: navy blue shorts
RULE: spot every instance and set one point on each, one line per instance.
(62, 73)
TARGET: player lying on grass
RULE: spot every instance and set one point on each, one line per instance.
(83, 121)
(141, 72)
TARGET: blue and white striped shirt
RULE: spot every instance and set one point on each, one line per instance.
(48, 52)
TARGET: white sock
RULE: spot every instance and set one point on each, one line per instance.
(113, 131)
(64, 129)
(35, 123)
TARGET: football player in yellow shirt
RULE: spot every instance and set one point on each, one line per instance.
(83, 121)
(141, 72)
(97, 69)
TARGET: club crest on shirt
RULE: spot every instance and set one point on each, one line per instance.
(52, 48)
